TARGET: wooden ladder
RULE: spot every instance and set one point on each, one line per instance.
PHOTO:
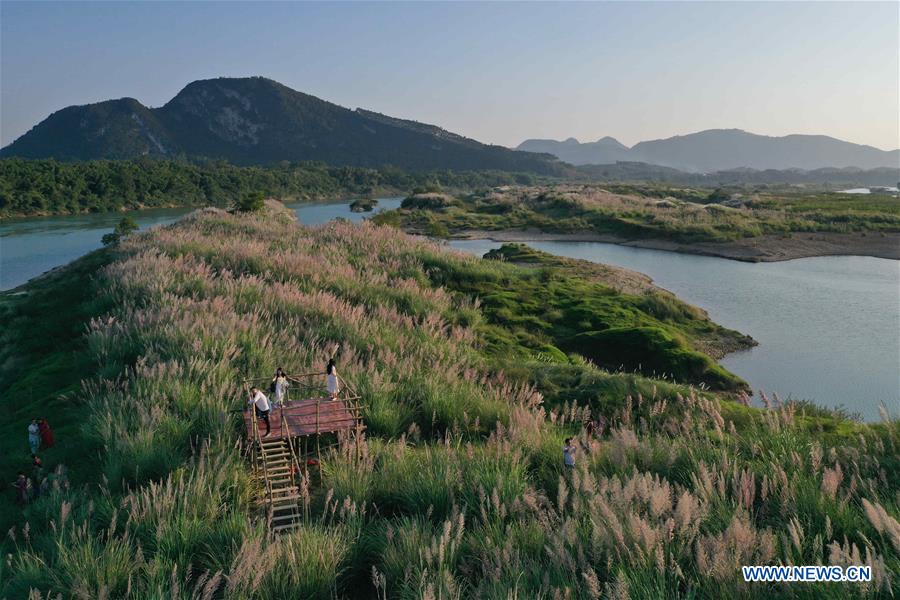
(278, 466)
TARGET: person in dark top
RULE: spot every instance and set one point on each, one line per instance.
(21, 485)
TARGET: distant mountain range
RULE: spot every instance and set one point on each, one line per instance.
(723, 149)
(259, 121)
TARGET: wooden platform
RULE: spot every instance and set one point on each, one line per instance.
(305, 417)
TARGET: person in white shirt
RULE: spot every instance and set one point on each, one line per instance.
(261, 406)
(279, 387)
(34, 436)
(331, 377)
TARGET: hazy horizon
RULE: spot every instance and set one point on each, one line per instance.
(500, 73)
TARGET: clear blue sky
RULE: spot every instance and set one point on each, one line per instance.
(499, 72)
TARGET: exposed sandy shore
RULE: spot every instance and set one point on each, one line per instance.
(769, 248)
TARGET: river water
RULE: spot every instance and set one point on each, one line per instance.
(828, 327)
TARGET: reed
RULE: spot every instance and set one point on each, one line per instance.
(459, 489)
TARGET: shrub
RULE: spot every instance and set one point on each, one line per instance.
(126, 226)
(251, 202)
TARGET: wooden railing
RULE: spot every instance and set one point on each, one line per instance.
(310, 386)
(258, 447)
(295, 461)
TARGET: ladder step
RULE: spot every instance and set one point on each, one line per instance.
(285, 518)
(286, 527)
(284, 484)
(283, 499)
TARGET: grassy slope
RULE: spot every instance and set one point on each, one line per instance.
(44, 357)
(552, 310)
(460, 492)
(567, 208)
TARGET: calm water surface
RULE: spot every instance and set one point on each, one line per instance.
(29, 247)
(316, 214)
(828, 327)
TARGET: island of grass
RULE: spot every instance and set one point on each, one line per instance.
(363, 205)
(751, 226)
(471, 382)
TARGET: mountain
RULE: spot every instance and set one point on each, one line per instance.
(725, 149)
(259, 121)
(603, 151)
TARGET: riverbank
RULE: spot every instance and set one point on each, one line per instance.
(766, 248)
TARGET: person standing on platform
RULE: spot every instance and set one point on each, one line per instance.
(279, 388)
(261, 406)
(331, 377)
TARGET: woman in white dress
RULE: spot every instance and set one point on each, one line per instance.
(332, 379)
(279, 387)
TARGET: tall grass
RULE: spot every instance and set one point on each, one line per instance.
(459, 490)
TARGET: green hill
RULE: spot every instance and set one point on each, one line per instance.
(259, 121)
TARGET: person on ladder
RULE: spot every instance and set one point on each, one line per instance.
(261, 406)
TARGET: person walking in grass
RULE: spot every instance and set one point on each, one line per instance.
(261, 406)
(331, 377)
(279, 387)
(37, 474)
(21, 486)
(569, 454)
(34, 436)
(47, 439)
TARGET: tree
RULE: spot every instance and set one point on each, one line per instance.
(126, 226)
(251, 202)
(718, 195)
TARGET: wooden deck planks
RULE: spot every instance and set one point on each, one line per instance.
(333, 415)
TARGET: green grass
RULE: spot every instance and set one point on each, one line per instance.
(44, 357)
(550, 311)
(458, 490)
(635, 212)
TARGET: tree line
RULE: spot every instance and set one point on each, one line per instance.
(47, 186)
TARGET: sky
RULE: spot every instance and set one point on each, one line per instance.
(498, 72)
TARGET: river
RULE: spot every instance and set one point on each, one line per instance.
(828, 327)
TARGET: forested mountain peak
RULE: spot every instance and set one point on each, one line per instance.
(254, 120)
